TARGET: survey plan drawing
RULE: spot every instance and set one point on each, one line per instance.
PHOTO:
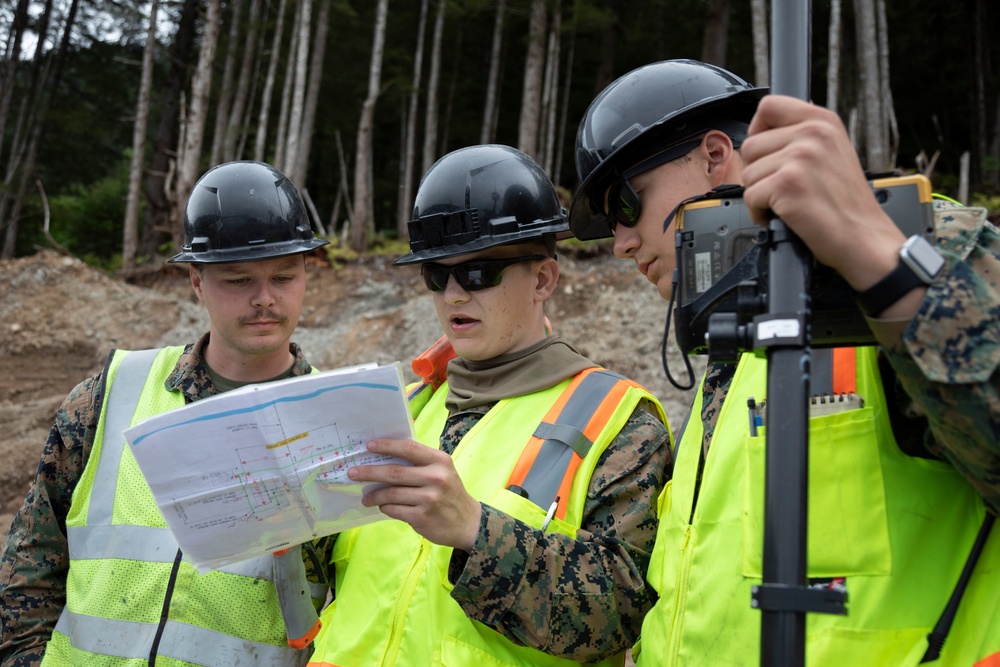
(264, 467)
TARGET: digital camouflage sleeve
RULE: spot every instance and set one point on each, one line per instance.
(581, 599)
(946, 358)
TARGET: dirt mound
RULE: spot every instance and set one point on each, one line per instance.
(60, 318)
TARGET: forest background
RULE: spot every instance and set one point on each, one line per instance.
(111, 109)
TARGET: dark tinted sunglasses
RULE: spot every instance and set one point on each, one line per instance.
(472, 276)
(624, 206)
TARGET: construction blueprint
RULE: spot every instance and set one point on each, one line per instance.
(264, 467)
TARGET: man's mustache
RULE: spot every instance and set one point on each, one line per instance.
(263, 314)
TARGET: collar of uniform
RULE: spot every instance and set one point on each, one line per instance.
(526, 371)
(191, 375)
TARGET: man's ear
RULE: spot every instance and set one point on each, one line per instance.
(722, 158)
(546, 277)
(195, 275)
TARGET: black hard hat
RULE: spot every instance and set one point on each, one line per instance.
(244, 212)
(480, 197)
(645, 111)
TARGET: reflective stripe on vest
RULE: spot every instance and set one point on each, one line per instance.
(833, 370)
(121, 400)
(552, 455)
(394, 606)
(198, 646)
(91, 630)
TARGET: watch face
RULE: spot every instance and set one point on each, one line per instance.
(922, 258)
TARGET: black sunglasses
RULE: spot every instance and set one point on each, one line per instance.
(624, 205)
(472, 276)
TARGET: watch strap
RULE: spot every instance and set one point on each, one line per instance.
(889, 290)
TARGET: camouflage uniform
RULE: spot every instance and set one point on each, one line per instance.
(585, 598)
(36, 559)
(944, 360)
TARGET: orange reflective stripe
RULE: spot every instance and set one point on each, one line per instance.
(594, 427)
(989, 661)
(845, 379)
(566, 485)
(528, 457)
(531, 450)
(597, 417)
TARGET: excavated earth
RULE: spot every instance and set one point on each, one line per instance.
(59, 318)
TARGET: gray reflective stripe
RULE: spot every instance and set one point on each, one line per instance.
(121, 400)
(821, 371)
(190, 643)
(546, 473)
(151, 545)
(155, 545)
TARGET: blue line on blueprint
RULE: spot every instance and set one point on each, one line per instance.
(284, 399)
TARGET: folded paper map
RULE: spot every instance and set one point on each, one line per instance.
(264, 467)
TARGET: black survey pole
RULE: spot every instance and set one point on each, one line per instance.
(787, 444)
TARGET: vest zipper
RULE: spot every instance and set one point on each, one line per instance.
(680, 598)
(165, 611)
(398, 620)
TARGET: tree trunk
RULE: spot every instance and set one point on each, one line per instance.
(561, 137)
(281, 136)
(48, 84)
(226, 89)
(130, 231)
(157, 223)
(245, 123)
(876, 154)
(761, 66)
(409, 158)
(234, 127)
(716, 40)
(434, 76)
(487, 134)
(550, 90)
(363, 200)
(312, 94)
(29, 109)
(299, 95)
(833, 62)
(534, 69)
(189, 159)
(260, 140)
(8, 79)
(890, 128)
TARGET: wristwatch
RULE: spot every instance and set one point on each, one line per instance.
(919, 264)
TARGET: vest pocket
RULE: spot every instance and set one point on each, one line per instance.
(524, 510)
(847, 529)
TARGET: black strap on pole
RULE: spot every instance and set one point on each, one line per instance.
(784, 332)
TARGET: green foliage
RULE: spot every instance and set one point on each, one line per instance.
(88, 220)
(991, 202)
(90, 120)
(340, 254)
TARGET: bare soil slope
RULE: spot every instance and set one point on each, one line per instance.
(59, 318)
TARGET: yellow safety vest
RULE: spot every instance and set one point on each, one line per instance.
(897, 529)
(124, 573)
(393, 603)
